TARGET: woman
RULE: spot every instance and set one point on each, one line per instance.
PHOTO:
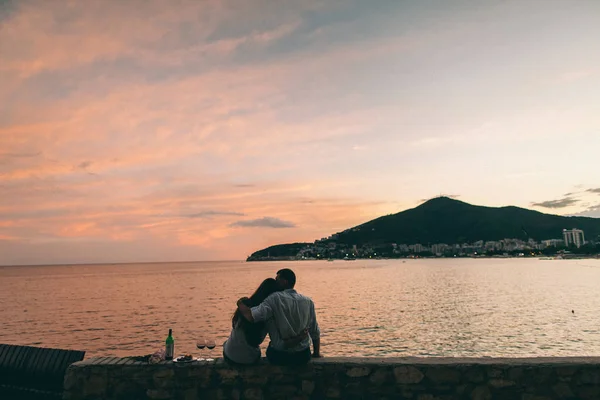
(242, 347)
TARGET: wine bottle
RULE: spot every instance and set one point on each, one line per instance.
(170, 349)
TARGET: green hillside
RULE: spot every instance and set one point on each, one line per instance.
(445, 220)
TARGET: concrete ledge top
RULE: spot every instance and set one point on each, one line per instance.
(365, 361)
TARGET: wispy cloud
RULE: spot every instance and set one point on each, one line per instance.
(20, 155)
(560, 203)
(590, 211)
(212, 213)
(84, 164)
(594, 190)
(265, 222)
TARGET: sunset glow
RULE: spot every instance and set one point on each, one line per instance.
(201, 130)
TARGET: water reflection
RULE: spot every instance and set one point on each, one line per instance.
(510, 308)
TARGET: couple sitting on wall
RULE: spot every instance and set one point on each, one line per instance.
(275, 308)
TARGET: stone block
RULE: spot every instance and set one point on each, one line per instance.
(407, 374)
(283, 391)
(235, 393)
(384, 391)
(228, 376)
(528, 396)
(164, 373)
(463, 389)
(283, 378)
(331, 369)
(307, 373)
(563, 391)
(407, 393)
(158, 394)
(276, 369)
(589, 376)
(190, 394)
(379, 377)
(214, 394)
(358, 372)
(255, 370)
(69, 395)
(253, 393)
(199, 373)
(495, 372)
(474, 375)
(126, 389)
(543, 375)
(256, 380)
(481, 393)
(303, 371)
(566, 371)
(141, 374)
(509, 393)
(500, 383)
(443, 375)
(72, 380)
(588, 392)
(515, 374)
(566, 379)
(163, 379)
(95, 386)
(333, 392)
(353, 388)
(308, 387)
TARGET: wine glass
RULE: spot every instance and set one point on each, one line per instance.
(210, 344)
(201, 344)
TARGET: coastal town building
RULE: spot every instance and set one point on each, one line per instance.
(552, 243)
(331, 249)
(416, 248)
(573, 237)
(493, 245)
(439, 248)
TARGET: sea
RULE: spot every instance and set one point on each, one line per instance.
(380, 308)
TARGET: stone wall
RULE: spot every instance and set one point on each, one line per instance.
(339, 378)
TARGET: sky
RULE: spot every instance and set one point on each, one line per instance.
(153, 130)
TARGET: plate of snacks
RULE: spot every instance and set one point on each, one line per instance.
(184, 359)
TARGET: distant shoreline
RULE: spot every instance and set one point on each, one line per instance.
(539, 257)
(549, 258)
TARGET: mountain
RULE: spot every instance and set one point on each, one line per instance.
(445, 220)
(450, 221)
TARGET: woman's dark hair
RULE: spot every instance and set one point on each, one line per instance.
(253, 331)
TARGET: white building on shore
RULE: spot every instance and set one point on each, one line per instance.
(553, 242)
(573, 237)
(416, 248)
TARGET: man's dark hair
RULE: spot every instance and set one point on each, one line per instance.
(288, 275)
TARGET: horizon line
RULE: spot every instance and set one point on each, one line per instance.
(113, 263)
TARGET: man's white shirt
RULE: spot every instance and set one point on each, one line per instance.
(287, 314)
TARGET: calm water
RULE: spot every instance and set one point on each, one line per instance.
(505, 307)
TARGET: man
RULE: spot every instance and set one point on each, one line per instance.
(289, 316)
